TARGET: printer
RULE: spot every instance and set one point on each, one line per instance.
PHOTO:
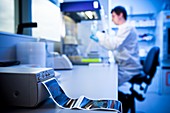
(22, 86)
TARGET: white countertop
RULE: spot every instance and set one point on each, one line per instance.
(96, 82)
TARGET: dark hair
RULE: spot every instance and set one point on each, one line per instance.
(118, 10)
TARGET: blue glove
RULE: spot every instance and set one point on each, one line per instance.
(93, 37)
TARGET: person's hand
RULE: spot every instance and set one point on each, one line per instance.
(93, 37)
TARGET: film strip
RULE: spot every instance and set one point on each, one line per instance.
(63, 101)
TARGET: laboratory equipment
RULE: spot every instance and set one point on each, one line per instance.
(163, 34)
(163, 41)
(59, 62)
(22, 86)
(31, 53)
(82, 10)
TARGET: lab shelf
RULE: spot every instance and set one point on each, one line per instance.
(139, 27)
(145, 27)
(144, 14)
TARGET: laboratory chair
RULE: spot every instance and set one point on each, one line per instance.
(142, 80)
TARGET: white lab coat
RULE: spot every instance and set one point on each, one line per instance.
(124, 46)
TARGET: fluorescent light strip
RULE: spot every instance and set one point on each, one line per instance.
(95, 4)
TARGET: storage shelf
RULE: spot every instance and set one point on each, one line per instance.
(145, 27)
(139, 27)
(145, 14)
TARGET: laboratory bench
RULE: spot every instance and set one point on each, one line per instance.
(94, 82)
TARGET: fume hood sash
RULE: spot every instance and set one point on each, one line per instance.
(82, 10)
(80, 6)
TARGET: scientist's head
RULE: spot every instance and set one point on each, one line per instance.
(119, 15)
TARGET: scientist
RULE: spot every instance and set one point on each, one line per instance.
(124, 45)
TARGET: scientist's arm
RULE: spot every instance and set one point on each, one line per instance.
(115, 42)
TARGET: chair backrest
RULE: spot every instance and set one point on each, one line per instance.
(149, 68)
(151, 62)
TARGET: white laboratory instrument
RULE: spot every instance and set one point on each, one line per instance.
(22, 86)
(31, 53)
(59, 62)
(163, 34)
(163, 41)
